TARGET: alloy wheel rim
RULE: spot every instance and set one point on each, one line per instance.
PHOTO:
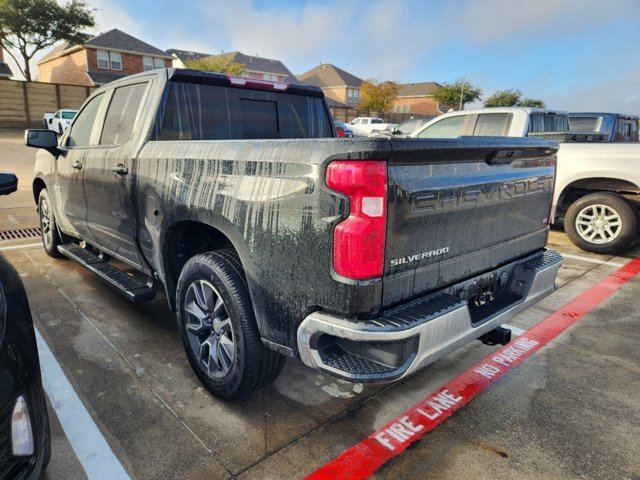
(45, 223)
(208, 328)
(598, 224)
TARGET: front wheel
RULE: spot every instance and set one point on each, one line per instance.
(219, 329)
(601, 223)
(48, 229)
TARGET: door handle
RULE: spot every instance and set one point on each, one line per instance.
(77, 165)
(120, 169)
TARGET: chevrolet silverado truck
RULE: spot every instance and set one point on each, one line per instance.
(366, 258)
(597, 190)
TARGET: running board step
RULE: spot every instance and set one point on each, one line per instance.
(132, 289)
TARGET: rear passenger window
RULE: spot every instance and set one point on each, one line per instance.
(214, 112)
(447, 128)
(80, 135)
(122, 113)
(545, 122)
(492, 124)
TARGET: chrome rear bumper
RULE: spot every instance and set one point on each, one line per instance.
(409, 337)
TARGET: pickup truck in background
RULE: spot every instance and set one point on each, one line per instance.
(271, 238)
(60, 120)
(597, 190)
(605, 127)
(363, 126)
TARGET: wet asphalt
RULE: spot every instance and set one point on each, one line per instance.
(570, 411)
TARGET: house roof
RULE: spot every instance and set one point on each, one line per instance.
(102, 78)
(421, 89)
(185, 55)
(326, 75)
(113, 40)
(257, 64)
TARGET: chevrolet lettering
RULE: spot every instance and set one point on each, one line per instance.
(479, 195)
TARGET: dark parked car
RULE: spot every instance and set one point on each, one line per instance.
(25, 444)
(343, 130)
(605, 127)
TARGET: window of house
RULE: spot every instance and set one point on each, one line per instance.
(80, 135)
(147, 63)
(407, 108)
(268, 76)
(492, 124)
(447, 128)
(122, 113)
(116, 61)
(158, 62)
(103, 59)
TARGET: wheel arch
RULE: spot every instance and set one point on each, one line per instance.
(38, 185)
(584, 186)
(181, 242)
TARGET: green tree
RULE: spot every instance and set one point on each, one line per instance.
(512, 98)
(210, 64)
(448, 95)
(377, 96)
(28, 26)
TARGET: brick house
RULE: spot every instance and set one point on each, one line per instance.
(255, 67)
(417, 98)
(102, 59)
(336, 84)
(5, 71)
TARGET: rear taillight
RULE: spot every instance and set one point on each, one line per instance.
(339, 131)
(358, 241)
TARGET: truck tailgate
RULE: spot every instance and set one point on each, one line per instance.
(460, 207)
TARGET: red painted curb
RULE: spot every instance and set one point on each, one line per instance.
(361, 460)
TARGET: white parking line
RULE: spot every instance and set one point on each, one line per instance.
(21, 247)
(593, 260)
(93, 451)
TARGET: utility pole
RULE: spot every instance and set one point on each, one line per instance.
(461, 93)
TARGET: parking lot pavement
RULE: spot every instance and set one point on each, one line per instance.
(569, 411)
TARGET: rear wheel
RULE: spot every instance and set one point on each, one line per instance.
(219, 329)
(601, 223)
(48, 229)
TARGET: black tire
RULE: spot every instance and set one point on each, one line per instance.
(602, 223)
(241, 363)
(48, 228)
(46, 455)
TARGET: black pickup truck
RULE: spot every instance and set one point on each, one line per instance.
(366, 258)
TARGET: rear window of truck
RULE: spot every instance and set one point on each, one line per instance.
(547, 122)
(212, 112)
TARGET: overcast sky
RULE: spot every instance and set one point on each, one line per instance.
(573, 54)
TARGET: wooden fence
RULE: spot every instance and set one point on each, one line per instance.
(23, 104)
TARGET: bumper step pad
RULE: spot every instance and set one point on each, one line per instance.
(132, 289)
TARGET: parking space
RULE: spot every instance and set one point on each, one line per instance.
(569, 411)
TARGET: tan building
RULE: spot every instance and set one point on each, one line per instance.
(417, 98)
(336, 84)
(102, 59)
(5, 71)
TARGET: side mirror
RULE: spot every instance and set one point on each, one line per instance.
(46, 139)
(8, 183)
